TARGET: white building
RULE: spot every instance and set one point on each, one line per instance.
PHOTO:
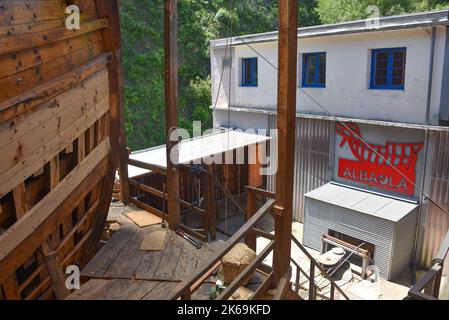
(390, 84)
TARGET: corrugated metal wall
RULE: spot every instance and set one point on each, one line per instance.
(313, 159)
(436, 224)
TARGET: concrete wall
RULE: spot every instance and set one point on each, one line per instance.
(347, 90)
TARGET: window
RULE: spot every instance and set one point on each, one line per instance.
(388, 68)
(249, 72)
(314, 70)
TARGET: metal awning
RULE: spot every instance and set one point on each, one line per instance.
(195, 149)
(381, 206)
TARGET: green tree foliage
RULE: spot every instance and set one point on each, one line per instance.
(199, 22)
(332, 11)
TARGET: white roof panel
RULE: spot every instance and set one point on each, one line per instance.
(377, 205)
(195, 149)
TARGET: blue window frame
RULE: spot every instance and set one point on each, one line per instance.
(249, 72)
(314, 70)
(388, 68)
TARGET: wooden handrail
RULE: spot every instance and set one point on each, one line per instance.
(234, 285)
(186, 285)
(262, 192)
(148, 166)
(162, 195)
(318, 266)
(427, 279)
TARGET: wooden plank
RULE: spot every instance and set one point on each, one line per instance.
(187, 265)
(169, 261)
(23, 42)
(34, 137)
(154, 241)
(143, 218)
(147, 207)
(101, 262)
(89, 290)
(18, 232)
(163, 291)
(124, 289)
(23, 81)
(148, 265)
(15, 106)
(30, 27)
(286, 122)
(16, 12)
(127, 261)
(16, 62)
(92, 88)
(22, 170)
(20, 200)
(10, 263)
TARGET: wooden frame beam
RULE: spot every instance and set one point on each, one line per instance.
(286, 121)
(171, 108)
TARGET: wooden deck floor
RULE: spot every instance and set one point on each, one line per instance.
(121, 271)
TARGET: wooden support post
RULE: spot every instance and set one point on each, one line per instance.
(211, 202)
(171, 109)
(51, 260)
(251, 208)
(115, 118)
(286, 120)
(54, 270)
(20, 200)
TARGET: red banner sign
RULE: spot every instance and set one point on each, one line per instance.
(388, 167)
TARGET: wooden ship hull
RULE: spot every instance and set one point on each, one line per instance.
(61, 138)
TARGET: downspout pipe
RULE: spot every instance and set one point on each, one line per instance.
(430, 82)
(422, 198)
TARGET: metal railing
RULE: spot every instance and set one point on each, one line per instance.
(428, 287)
(310, 275)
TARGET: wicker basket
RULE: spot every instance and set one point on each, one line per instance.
(235, 261)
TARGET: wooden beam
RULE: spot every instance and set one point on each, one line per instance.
(211, 202)
(109, 10)
(20, 200)
(23, 228)
(18, 43)
(148, 166)
(171, 108)
(286, 121)
(31, 243)
(54, 270)
(17, 105)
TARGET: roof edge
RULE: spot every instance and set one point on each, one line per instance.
(406, 21)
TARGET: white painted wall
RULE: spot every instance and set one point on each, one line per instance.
(348, 70)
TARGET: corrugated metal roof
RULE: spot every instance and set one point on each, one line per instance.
(195, 149)
(377, 205)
